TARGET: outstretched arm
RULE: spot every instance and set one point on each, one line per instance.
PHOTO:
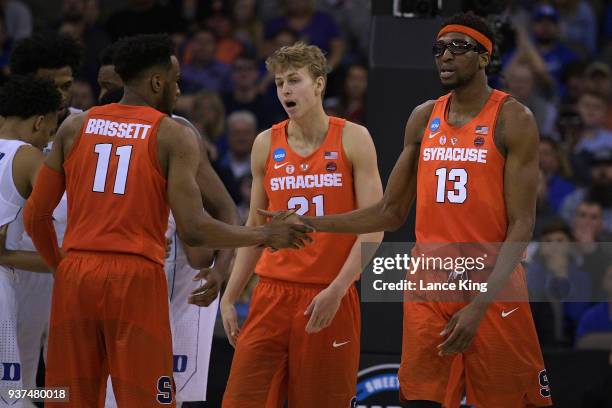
(390, 212)
(196, 228)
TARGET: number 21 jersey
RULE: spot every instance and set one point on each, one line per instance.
(316, 185)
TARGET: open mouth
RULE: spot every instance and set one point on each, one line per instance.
(290, 104)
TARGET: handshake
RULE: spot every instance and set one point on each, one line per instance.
(285, 229)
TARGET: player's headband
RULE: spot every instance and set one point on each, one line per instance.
(477, 35)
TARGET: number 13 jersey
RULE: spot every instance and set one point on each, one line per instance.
(460, 181)
(114, 184)
(316, 185)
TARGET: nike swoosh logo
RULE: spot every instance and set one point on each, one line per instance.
(506, 314)
(432, 135)
(278, 166)
(336, 345)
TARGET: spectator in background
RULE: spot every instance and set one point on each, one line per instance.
(593, 108)
(553, 275)
(557, 172)
(245, 93)
(546, 34)
(591, 239)
(598, 77)
(247, 27)
(575, 82)
(578, 24)
(228, 46)
(108, 79)
(600, 188)
(312, 26)
(208, 115)
(200, 69)
(244, 185)
(598, 319)
(521, 83)
(82, 95)
(79, 21)
(545, 213)
(142, 17)
(351, 103)
(236, 163)
(17, 19)
(353, 17)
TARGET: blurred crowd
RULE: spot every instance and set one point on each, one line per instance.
(554, 56)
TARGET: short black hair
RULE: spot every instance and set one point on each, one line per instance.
(47, 51)
(106, 55)
(473, 21)
(133, 55)
(27, 96)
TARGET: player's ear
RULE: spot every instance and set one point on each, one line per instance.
(157, 83)
(38, 121)
(483, 60)
(320, 85)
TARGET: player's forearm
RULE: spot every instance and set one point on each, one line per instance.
(24, 260)
(375, 218)
(353, 265)
(510, 254)
(215, 234)
(244, 266)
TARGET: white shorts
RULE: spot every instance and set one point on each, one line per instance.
(10, 364)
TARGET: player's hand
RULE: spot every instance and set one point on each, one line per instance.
(322, 309)
(281, 234)
(462, 328)
(207, 293)
(230, 320)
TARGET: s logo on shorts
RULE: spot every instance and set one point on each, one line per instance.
(164, 389)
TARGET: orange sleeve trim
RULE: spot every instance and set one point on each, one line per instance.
(38, 213)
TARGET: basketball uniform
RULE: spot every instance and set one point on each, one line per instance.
(11, 203)
(109, 311)
(460, 190)
(192, 326)
(275, 359)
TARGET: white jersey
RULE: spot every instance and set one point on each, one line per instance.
(10, 199)
(192, 327)
(11, 203)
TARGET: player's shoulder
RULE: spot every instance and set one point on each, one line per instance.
(75, 120)
(27, 159)
(417, 122)
(511, 108)
(423, 111)
(356, 140)
(263, 140)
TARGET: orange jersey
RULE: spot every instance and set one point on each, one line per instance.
(460, 181)
(115, 187)
(316, 185)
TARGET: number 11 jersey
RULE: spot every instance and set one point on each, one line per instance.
(114, 184)
(316, 185)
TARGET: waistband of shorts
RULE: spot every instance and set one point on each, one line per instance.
(289, 284)
(111, 255)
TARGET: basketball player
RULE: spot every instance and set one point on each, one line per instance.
(305, 308)
(29, 108)
(118, 163)
(192, 326)
(460, 199)
(57, 58)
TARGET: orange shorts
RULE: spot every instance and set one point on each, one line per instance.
(109, 315)
(276, 360)
(502, 368)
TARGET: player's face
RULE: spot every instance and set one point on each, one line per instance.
(108, 80)
(171, 88)
(297, 91)
(63, 79)
(44, 130)
(460, 64)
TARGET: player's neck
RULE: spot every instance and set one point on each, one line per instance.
(310, 128)
(14, 129)
(134, 98)
(472, 96)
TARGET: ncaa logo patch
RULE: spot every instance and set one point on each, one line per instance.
(279, 154)
(435, 125)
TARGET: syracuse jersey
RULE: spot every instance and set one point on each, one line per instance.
(115, 187)
(316, 185)
(460, 199)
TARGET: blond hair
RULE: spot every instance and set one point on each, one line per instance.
(297, 56)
